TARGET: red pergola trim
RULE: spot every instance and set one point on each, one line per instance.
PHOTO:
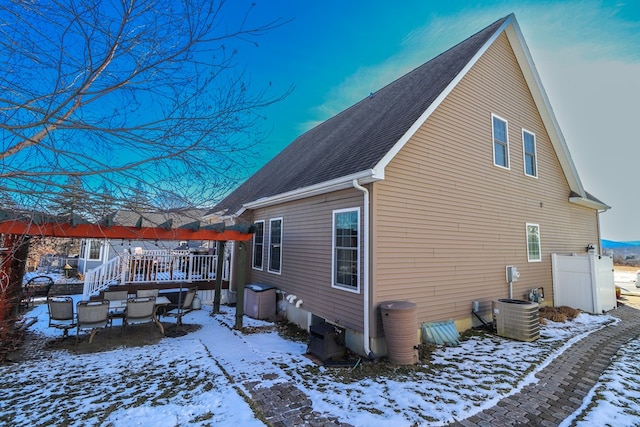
(96, 231)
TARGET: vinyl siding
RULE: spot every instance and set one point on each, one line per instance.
(306, 256)
(447, 221)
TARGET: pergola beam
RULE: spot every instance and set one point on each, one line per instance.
(96, 231)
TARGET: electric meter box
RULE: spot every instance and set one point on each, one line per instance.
(512, 274)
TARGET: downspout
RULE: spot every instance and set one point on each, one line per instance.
(598, 212)
(365, 276)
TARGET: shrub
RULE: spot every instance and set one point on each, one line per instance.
(557, 314)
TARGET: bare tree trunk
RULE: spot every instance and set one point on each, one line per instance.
(12, 270)
(17, 270)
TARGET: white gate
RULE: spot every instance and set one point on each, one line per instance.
(584, 281)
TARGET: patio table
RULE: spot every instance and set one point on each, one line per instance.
(117, 310)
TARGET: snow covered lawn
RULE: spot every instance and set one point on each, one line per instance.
(626, 277)
(205, 378)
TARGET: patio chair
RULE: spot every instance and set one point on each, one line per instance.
(140, 293)
(116, 295)
(61, 314)
(38, 286)
(92, 315)
(140, 310)
(184, 308)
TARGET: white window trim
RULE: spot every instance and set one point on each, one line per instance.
(87, 250)
(271, 220)
(335, 285)
(493, 142)
(535, 154)
(106, 248)
(526, 230)
(253, 249)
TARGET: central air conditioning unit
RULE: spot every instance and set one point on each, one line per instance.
(516, 319)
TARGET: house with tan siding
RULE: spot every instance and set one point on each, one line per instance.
(424, 192)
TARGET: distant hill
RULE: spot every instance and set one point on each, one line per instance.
(624, 253)
(610, 244)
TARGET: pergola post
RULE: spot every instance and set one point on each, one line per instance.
(219, 266)
(12, 269)
(242, 261)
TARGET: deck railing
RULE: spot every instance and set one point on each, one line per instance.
(153, 267)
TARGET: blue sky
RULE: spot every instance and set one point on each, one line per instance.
(587, 53)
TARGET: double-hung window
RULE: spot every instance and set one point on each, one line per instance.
(275, 245)
(530, 157)
(346, 249)
(258, 245)
(92, 250)
(500, 142)
(534, 254)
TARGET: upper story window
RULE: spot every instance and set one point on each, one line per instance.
(534, 253)
(346, 249)
(275, 245)
(500, 142)
(258, 245)
(530, 156)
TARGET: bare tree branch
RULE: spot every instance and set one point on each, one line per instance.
(123, 92)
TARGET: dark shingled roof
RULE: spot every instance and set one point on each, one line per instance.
(589, 197)
(170, 218)
(358, 138)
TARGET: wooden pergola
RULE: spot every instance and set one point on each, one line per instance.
(14, 227)
(216, 232)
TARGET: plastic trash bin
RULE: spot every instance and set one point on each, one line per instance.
(400, 324)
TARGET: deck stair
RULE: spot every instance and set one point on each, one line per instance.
(158, 266)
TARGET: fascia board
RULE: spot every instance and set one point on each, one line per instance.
(341, 183)
(525, 60)
(588, 203)
(436, 103)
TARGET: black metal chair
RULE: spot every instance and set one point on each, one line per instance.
(184, 308)
(38, 286)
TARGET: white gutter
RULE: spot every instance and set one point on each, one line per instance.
(341, 183)
(365, 276)
(583, 201)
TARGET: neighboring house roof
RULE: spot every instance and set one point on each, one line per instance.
(360, 141)
(172, 218)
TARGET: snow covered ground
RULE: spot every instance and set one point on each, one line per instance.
(626, 279)
(201, 379)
